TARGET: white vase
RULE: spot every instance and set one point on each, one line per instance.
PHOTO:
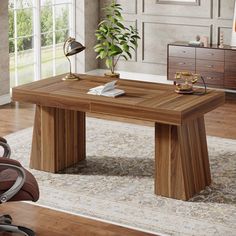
(233, 39)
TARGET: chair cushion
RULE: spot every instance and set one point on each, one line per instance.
(30, 189)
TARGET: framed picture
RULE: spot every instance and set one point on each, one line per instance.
(179, 2)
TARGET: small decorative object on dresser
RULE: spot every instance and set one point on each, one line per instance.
(221, 40)
(205, 41)
(233, 39)
(196, 43)
(216, 65)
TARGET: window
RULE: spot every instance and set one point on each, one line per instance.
(37, 31)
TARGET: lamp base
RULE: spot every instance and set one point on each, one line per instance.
(71, 76)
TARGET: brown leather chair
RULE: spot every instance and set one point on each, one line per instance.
(16, 184)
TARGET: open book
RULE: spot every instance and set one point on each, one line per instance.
(108, 90)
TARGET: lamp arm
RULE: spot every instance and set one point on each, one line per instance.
(69, 63)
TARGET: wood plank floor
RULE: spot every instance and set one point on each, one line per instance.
(47, 222)
(13, 117)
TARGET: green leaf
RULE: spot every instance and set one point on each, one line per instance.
(108, 63)
(114, 53)
(103, 54)
(97, 46)
(120, 25)
(125, 47)
(99, 50)
(115, 48)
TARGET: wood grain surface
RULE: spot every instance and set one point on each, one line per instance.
(144, 101)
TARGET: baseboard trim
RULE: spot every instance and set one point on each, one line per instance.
(5, 99)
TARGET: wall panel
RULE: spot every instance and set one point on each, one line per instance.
(170, 33)
(160, 24)
(203, 10)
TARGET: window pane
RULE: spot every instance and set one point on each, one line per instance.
(24, 3)
(11, 4)
(62, 17)
(25, 74)
(24, 43)
(61, 36)
(46, 19)
(62, 64)
(25, 66)
(46, 39)
(11, 46)
(46, 2)
(47, 61)
(11, 24)
(62, 1)
(24, 22)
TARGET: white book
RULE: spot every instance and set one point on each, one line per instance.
(108, 90)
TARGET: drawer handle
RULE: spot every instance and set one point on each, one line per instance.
(210, 78)
(210, 66)
(211, 54)
(182, 63)
(183, 51)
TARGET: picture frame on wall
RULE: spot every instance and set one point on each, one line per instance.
(179, 2)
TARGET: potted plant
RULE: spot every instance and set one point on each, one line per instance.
(115, 40)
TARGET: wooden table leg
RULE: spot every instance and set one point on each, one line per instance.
(58, 139)
(181, 159)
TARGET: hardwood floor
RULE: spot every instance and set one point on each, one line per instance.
(221, 122)
(47, 222)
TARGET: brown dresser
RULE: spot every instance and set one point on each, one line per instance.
(216, 65)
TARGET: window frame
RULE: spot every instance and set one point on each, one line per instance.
(36, 35)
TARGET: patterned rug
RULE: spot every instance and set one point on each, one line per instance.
(116, 184)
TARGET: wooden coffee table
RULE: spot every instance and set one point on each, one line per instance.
(181, 155)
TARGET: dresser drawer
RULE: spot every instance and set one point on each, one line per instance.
(230, 80)
(216, 79)
(176, 51)
(230, 55)
(209, 66)
(182, 63)
(230, 67)
(210, 54)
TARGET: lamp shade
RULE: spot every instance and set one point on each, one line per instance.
(72, 47)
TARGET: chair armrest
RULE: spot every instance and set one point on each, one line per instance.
(15, 188)
(6, 147)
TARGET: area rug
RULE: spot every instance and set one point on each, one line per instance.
(116, 183)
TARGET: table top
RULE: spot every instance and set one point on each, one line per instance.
(142, 100)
